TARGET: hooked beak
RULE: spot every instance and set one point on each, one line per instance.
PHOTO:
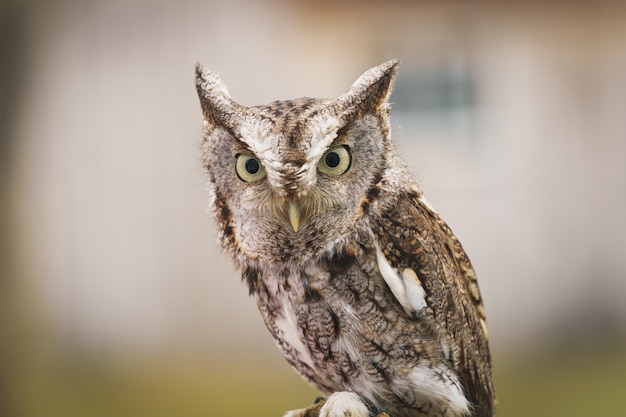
(294, 215)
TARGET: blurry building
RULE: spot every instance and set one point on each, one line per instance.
(511, 116)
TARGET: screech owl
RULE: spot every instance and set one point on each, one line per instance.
(365, 289)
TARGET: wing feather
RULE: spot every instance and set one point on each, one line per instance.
(412, 237)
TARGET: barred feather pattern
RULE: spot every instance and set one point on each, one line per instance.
(362, 285)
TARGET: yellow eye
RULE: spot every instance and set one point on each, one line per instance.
(336, 161)
(248, 168)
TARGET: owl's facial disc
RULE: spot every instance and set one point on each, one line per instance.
(334, 162)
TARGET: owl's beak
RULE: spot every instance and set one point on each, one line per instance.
(294, 215)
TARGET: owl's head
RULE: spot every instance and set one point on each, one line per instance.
(294, 178)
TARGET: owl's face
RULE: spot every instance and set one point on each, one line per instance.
(290, 179)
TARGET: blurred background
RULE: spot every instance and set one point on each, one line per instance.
(114, 297)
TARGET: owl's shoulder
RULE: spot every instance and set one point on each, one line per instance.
(412, 236)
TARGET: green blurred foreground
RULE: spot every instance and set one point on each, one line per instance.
(590, 384)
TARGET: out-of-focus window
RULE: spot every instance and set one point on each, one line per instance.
(436, 103)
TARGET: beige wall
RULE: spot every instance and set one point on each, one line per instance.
(107, 193)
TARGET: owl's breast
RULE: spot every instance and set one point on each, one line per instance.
(286, 247)
(339, 325)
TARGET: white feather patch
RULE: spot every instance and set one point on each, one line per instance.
(414, 290)
(406, 287)
(344, 404)
(439, 383)
(324, 130)
(262, 141)
(393, 280)
(288, 324)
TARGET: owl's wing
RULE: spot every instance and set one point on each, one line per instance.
(425, 265)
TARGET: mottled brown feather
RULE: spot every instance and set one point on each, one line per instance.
(413, 235)
(339, 320)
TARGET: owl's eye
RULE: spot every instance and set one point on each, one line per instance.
(335, 161)
(248, 168)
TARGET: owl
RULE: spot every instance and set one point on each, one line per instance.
(364, 288)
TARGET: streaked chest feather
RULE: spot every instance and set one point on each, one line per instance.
(341, 326)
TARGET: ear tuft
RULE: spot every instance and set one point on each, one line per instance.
(209, 83)
(217, 106)
(369, 94)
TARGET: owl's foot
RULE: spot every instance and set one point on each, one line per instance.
(339, 404)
